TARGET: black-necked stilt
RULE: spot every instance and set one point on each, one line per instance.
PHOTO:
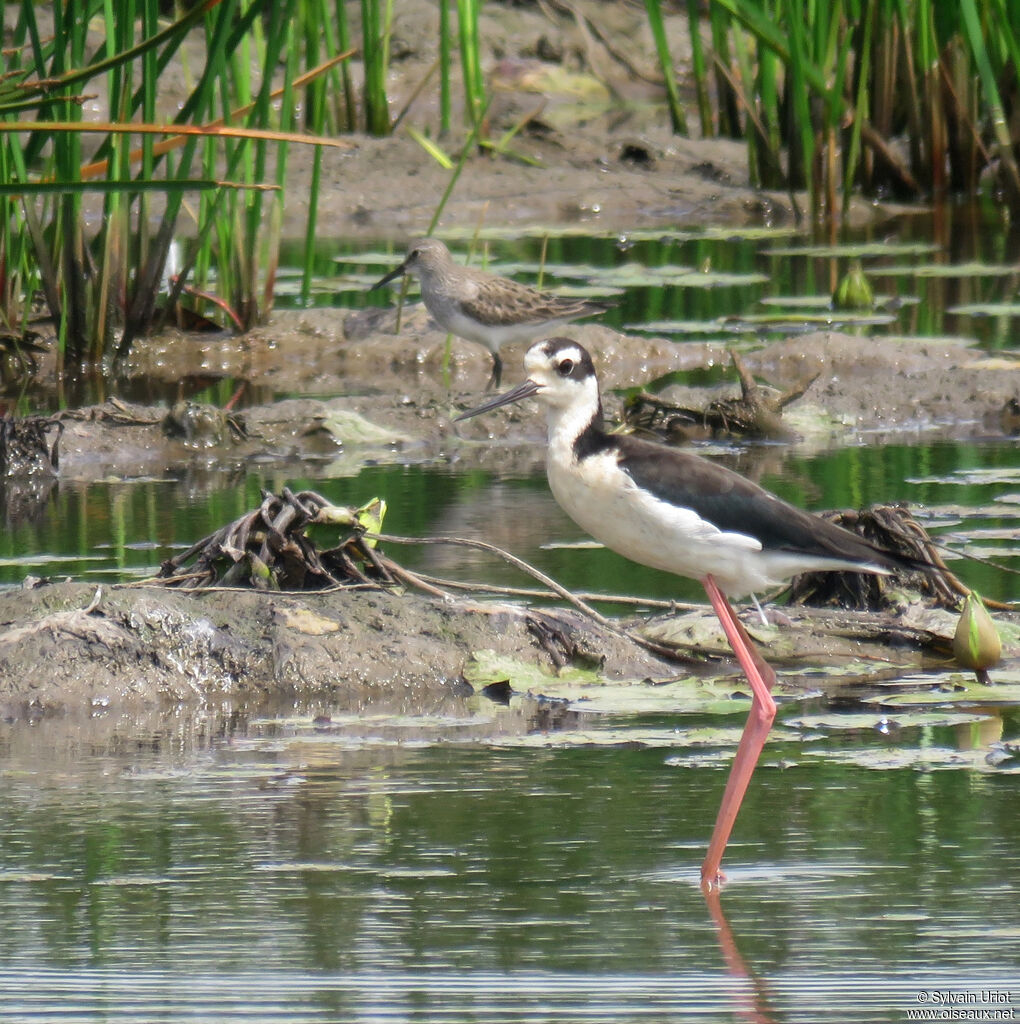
(674, 510)
(481, 307)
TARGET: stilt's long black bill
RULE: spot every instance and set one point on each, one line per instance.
(525, 390)
(389, 277)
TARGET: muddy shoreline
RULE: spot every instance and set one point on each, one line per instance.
(128, 650)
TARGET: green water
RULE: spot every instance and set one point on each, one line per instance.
(110, 530)
(250, 873)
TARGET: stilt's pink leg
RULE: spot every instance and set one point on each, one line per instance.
(759, 722)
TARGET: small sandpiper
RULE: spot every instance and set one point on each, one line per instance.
(674, 510)
(482, 307)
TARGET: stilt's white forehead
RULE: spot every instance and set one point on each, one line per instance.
(545, 356)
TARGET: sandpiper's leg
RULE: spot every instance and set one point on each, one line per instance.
(759, 722)
(497, 373)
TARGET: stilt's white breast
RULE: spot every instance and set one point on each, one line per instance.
(603, 500)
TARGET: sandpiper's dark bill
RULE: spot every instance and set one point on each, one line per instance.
(391, 276)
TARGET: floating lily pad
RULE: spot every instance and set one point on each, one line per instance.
(986, 309)
(931, 340)
(568, 271)
(486, 666)
(870, 721)
(856, 249)
(308, 866)
(696, 744)
(638, 275)
(797, 301)
(636, 698)
(919, 758)
(829, 318)
(996, 533)
(22, 877)
(735, 234)
(372, 259)
(960, 690)
(141, 881)
(950, 270)
(717, 279)
(716, 233)
(677, 327)
(997, 475)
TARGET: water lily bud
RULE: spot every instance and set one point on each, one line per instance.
(370, 517)
(976, 643)
(854, 291)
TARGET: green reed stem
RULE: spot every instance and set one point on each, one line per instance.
(677, 116)
(1009, 174)
(349, 120)
(445, 67)
(377, 115)
(698, 68)
(471, 61)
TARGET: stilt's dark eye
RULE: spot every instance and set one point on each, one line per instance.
(565, 368)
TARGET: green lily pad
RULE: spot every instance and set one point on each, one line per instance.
(871, 721)
(976, 475)
(684, 696)
(797, 301)
(699, 746)
(972, 269)
(960, 690)
(829, 318)
(726, 233)
(677, 327)
(856, 249)
(717, 279)
(350, 427)
(919, 758)
(986, 309)
(639, 275)
(486, 666)
(931, 340)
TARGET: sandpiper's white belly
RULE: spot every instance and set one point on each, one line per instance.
(449, 316)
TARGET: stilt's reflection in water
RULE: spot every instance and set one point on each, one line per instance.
(752, 1002)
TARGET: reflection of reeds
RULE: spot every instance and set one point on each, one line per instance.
(827, 93)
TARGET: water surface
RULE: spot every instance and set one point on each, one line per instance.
(279, 873)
